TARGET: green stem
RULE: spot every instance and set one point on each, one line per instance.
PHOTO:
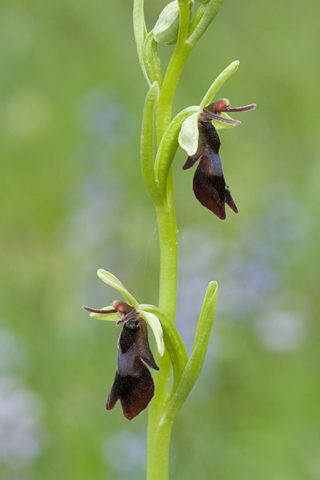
(160, 425)
(158, 464)
(159, 434)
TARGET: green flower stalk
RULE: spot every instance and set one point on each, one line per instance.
(195, 128)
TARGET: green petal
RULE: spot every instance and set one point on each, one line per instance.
(155, 325)
(113, 282)
(221, 125)
(189, 134)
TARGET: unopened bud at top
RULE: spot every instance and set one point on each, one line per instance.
(166, 29)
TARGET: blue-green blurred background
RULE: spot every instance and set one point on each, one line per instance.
(73, 200)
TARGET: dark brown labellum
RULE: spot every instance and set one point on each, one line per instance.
(133, 384)
(209, 185)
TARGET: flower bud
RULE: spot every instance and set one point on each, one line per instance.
(166, 29)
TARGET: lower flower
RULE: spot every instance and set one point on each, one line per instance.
(133, 384)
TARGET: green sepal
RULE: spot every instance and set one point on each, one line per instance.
(218, 82)
(222, 125)
(112, 316)
(155, 324)
(189, 134)
(114, 282)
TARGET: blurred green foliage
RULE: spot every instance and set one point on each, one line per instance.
(72, 200)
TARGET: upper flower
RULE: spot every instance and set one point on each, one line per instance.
(209, 185)
(199, 138)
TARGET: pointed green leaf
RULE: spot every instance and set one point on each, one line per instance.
(140, 32)
(196, 359)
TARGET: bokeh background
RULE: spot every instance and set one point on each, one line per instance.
(72, 200)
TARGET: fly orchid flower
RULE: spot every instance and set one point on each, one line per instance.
(133, 384)
(209, 185)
